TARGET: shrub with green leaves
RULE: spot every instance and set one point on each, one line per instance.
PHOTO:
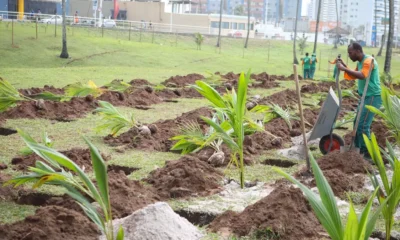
(57, 169)
(326, 209)
(391, 114)
(233, 106)
(389, 188)
(112, 119)
(199, 39)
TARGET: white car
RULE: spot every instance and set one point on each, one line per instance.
(52, 20)
(109, 23)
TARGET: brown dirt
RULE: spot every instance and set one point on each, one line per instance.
(185, 177)
(131, 98)
(265, 84)
(381, 132)
(324, 86)
(341, 182)
(279, 128)
(7, 193)
(160, 140)
(51, 222)
(285, 212)
(311, 115)
(344, 171)
(349, 104)
(33, 91)
(61, 111)
(182, 81)
(78, 155)
(127, 195)
(230, 76)
(139, 83)
(284, 98)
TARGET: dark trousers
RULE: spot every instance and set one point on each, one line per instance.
(364, 126)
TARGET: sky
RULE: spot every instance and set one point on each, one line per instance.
(304, 7)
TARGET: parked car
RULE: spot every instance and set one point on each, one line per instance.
(52, 20)
(235, 34)
(109, 23)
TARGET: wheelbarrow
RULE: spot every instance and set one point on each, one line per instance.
(323, 129)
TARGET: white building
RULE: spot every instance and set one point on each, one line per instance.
(328, 10)
(311, 10)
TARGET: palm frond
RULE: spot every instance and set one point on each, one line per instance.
(82, 90)
(9, 95)
(112, 119)
(117, 85)
(48, 96)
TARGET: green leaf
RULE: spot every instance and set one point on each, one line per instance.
(100, 171)
(210, 94)
(120, 234)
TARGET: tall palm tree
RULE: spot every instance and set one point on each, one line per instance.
(388, 57)
(376, 21)
(220, 23)
(248, 24)
(337, 25)
(384, 32)
(317, 25)
(64, 51)
(295, 61)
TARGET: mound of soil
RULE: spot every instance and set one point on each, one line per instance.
(279, 128)
(285, 212)
(182, 81)
(311, 115)
(230, 76)
(345, 84)
(341, 182)
(7, 193)
(324, 86)
(344, 171)
(185, 177)
(139, 83)
(127, 195)
(131, 98)
(291, 77)
(33, 91)
(284, 98)
(51, 222)
(78, 155)
(159, 140)
(381, 132)
(75, 108)
(265, 84)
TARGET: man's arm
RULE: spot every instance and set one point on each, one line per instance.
(355, 74)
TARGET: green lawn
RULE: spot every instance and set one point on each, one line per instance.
(34, 62)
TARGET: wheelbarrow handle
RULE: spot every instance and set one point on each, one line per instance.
(353, 134)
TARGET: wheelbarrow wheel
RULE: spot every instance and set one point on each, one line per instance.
(337, 142)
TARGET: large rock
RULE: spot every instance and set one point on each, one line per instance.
(156, 222)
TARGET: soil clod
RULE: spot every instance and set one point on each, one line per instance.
(279, 163)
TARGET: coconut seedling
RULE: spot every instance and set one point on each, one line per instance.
(391, 115)
(57, 169)
(327, 212)
(275, 111)
(233, 106)
(9, 96)
(113, 121)
(82, 90)
(45, 141)
(117, 85)
(389, 188)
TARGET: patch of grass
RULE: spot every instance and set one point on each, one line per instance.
(12, 212)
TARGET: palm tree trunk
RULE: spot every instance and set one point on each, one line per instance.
(337, 25)
(384, 33)
(388, 57)
(317, 26)
(295, 61)
(64, 51)
(220, 23)
(248, 24)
